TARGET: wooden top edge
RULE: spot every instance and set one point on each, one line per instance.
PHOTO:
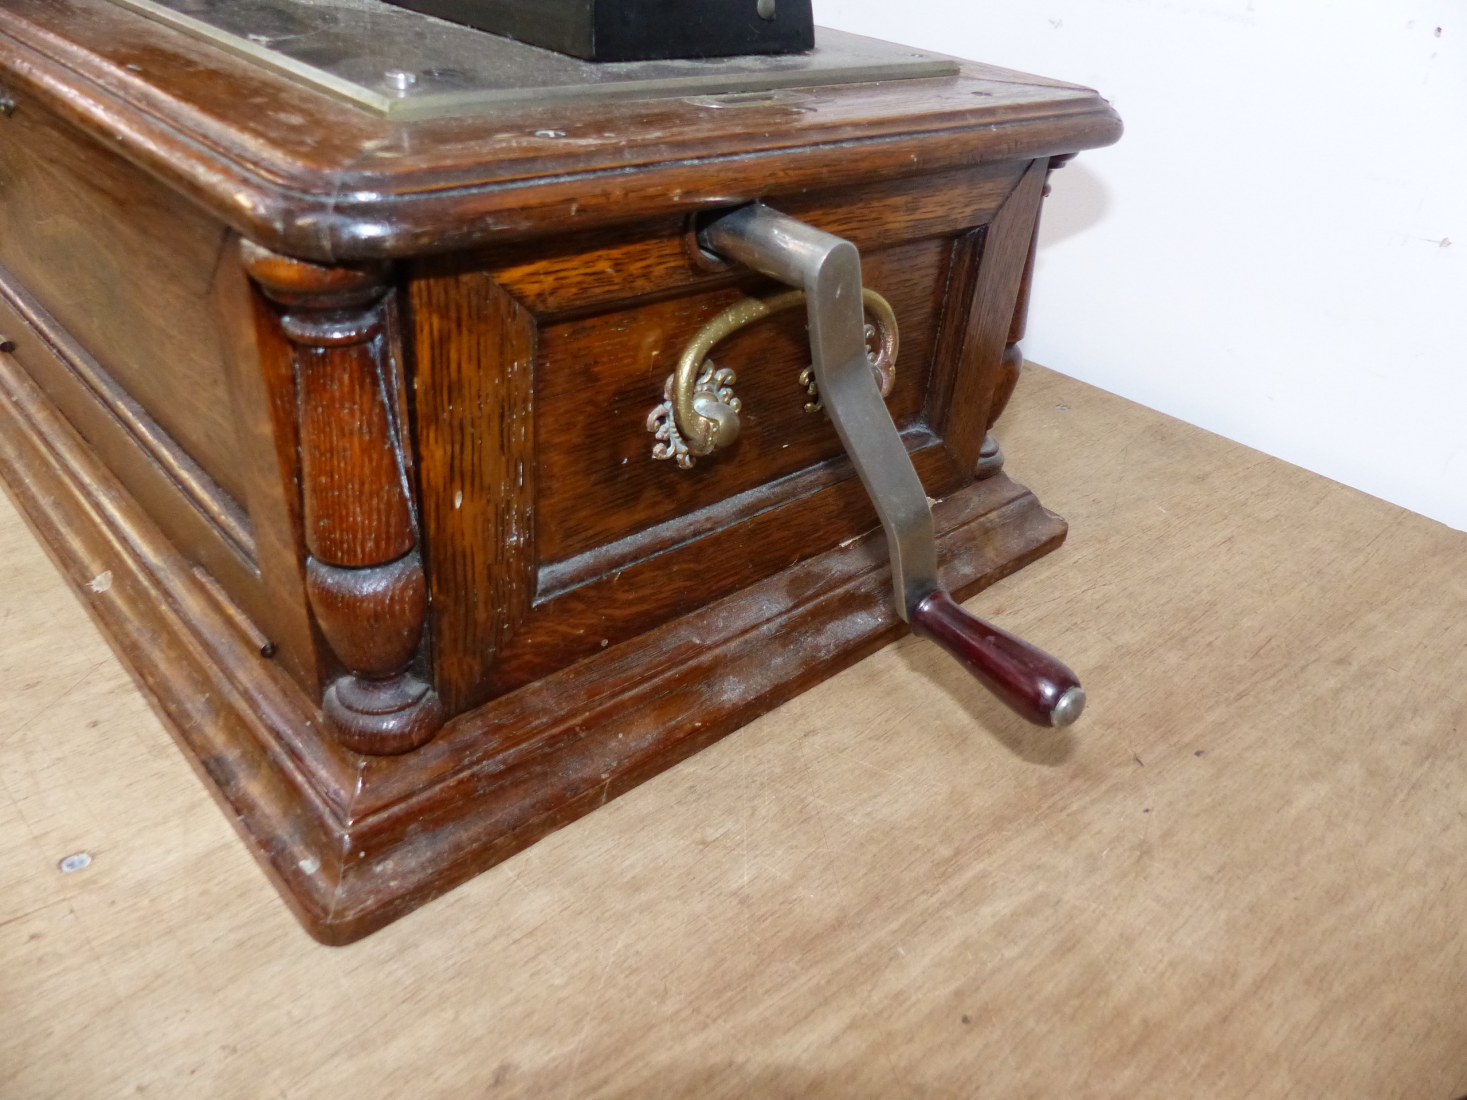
(310, 176)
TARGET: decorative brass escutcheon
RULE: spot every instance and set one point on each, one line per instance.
(700, 411)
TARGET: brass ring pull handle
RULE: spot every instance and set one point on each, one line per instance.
(700, 412)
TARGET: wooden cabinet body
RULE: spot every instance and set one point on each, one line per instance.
(306, 402)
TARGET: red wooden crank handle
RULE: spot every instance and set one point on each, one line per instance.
(1033, 684)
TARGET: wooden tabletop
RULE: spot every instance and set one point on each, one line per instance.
(1243, 873)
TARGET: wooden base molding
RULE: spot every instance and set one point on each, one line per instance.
(354, 842)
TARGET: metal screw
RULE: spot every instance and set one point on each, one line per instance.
(75, 862)
(765, 9)
(550, 133)
(400, 79)
(7, 104)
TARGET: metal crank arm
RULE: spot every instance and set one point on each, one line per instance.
(828, 269)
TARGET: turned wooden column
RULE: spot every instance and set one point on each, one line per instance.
(364, 574)
(990, 461)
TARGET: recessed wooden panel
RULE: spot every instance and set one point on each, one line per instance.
(185, 503)
(963, 419)
(128, 269)
(598, 378)
(651, 588)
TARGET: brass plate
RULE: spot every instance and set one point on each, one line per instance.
(406, 65)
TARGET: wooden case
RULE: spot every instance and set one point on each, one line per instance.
(340, 425)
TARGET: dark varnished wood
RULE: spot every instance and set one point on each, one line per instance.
(197, 514)
(579, 272)
(435, 346)
(617, 543)
(357, 511)
(637, 590)
(623, 544)
(964, 265)
(1013, 355)
(127, 271)
(613, 558)
(353, 843)
(474, 350)
(314, 178)
(262, 377)
(600, 376)
(257, 563)
(1005, 249)
(122, 428)
(364, 576)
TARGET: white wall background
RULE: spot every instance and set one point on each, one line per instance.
(1277, 248)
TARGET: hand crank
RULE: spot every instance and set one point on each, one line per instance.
(1034, 684)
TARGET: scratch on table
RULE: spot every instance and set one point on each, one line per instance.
(591, 1004)
(32, 912)
(515, 878)
(804, 793)
(53, 700)
(100, 966)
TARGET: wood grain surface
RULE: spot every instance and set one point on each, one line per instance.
(474, 348)
(621, 545)
(1241, 874)
(127, 270)
(311, 177)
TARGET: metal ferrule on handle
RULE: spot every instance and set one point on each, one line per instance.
(828, 269)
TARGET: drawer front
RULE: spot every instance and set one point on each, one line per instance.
(597, 379)
(551, 530)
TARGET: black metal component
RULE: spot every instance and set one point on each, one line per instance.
(638, 30)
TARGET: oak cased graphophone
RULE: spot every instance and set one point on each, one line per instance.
(445, 465)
